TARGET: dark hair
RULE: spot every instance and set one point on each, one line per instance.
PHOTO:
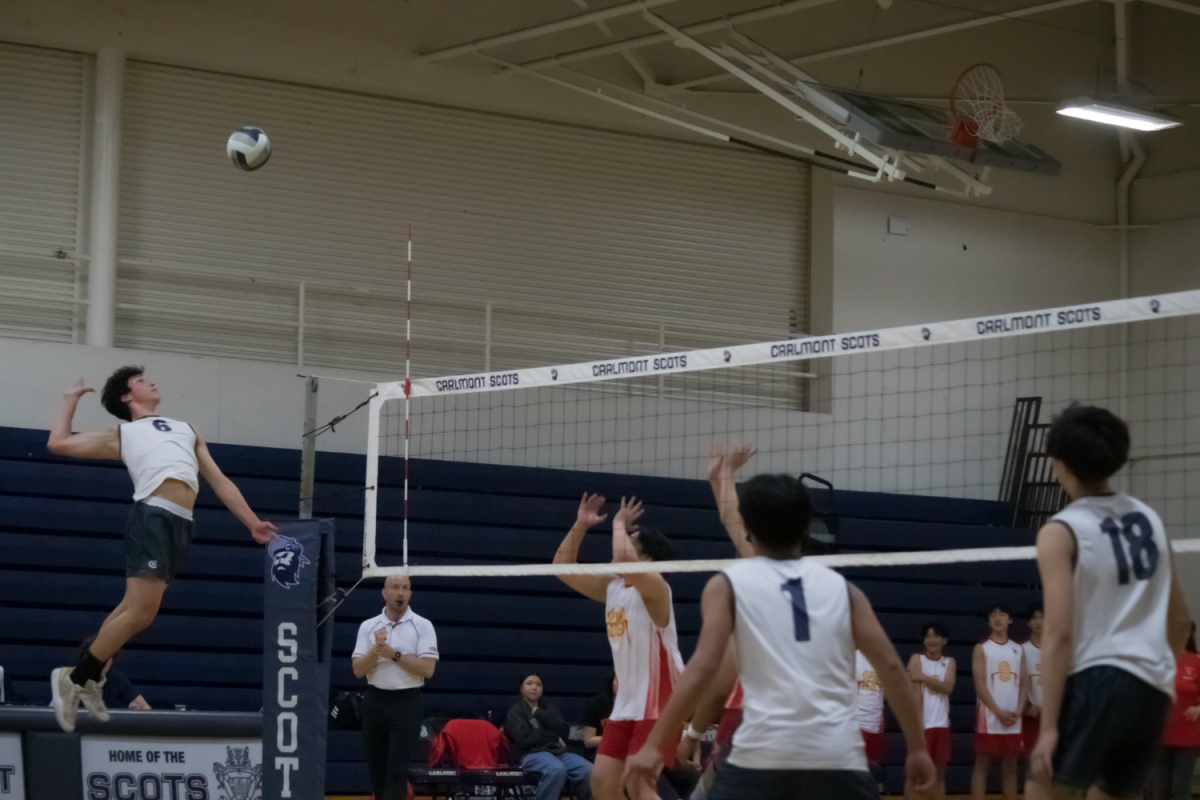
(532, 673)
(1093, 442)
(116, 387)
(653, 543)
(1001, 607)
(937, 626)
(1034, 608)
(1191, 642)
(775, 510)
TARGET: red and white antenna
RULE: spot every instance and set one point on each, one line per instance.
(407, 384)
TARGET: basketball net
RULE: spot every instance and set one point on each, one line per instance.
(978, 107)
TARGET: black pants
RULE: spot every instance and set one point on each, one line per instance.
(391, 725)
(736, 783)
(1174, 778)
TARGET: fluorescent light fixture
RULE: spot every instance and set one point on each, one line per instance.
(1115, 114)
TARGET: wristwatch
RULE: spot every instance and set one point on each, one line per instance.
(396, 655)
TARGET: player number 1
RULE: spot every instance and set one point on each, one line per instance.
(1143, 552)
(795, 587)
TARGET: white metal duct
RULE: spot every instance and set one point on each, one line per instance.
(41, 108)
(586, 244)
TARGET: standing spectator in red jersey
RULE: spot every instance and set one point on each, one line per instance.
(1181, 743)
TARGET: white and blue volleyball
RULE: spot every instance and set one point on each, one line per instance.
(248, 148)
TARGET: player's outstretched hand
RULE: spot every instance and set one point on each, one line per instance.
(589, 510)
(628, 515)
(263, 532)
(77, 390)
(919, 770)
(1041, 760)
(724, 462)
(641, 772)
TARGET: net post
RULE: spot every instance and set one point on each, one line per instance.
(408, 380)
(371, 486)
(308, 447)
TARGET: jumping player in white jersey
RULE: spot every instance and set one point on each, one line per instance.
(997, 665)
(795, 626)
(934, 673)
(1115, 620)
(165, 458)
(640, 618)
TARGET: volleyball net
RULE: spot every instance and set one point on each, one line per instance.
(458, 466)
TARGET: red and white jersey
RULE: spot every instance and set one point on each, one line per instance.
(936, 704)
(646, 657)
(1033, 664)
(1003, 673)
(734, 703)
(870, 695)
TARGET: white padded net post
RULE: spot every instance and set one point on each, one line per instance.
(916, 410)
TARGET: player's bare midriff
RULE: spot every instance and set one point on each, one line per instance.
(177, 492)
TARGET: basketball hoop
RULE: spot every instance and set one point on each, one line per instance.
(977, 105)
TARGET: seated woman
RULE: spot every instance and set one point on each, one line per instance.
(118, 692)
(539, 733)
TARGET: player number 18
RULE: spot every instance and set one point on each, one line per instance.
(1137, 531)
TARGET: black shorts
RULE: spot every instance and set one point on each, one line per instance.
(738, 783)
(156, 542)
(1109, 731)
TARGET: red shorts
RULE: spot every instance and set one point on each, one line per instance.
(876, 746)
(937, 742)
(624, 737)
(998, 745)
(731, 719)
(1030, 728)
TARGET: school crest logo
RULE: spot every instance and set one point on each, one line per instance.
(287, 557)
(925, 334)
(238, 779)
(1155, 306)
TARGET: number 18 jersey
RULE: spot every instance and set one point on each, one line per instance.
(1122, 585)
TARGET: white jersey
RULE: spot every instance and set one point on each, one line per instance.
(870, 695)
(1033, 665)
(646, 657)
(1003, 673)
(1122, 586)
(155, 449)
(795, 652)
(936, 705)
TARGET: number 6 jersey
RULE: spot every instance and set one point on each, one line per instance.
(1122, 585)
(155, 449)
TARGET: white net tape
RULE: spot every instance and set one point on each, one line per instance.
(979, 95)
(905, 559)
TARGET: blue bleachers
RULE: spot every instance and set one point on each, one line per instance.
(61, 524)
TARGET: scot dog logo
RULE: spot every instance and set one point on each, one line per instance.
(287, 557)
(238, 779)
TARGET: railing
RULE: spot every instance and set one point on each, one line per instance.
(1028, 484)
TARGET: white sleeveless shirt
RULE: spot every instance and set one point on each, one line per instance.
(1122, 587)
(645, 656)
(935, 704)
(155, 449)
(870, 695)
(1033, 665)
(1003, 673)
(795, 652)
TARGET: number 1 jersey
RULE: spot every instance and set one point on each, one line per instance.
(1122, 586)
(795, 654)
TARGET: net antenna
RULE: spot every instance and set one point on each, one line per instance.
(978, 107)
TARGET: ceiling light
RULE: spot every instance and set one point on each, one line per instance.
(1116, 114)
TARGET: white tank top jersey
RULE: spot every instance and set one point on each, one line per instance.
(1122, 586)
(795, 651)
(645, 656)
(157, 448)
(870, 695)
(1004, 682)
(1033, 665)
(936, 704)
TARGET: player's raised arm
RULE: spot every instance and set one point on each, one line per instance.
(594, 587)
(653, 587)
(104, 444)
(722, 477)
(231, 496)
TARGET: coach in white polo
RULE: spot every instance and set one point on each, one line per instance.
(395, 652)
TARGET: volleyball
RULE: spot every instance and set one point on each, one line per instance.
(248, 148)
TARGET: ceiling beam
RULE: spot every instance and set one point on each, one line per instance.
(1175, 4)
(723, 23)
(592, 17)
(908, 37)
